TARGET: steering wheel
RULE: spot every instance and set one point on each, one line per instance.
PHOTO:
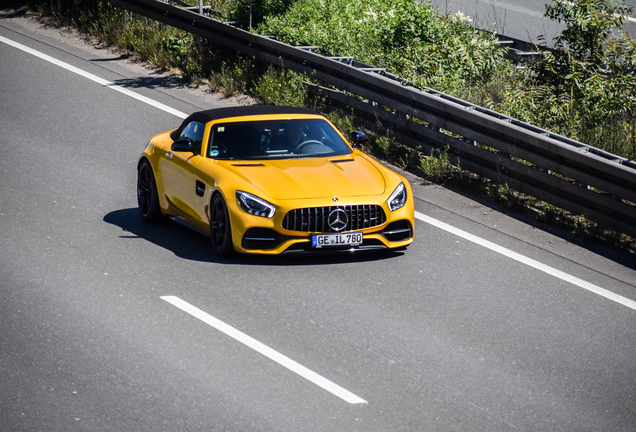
(304, 144)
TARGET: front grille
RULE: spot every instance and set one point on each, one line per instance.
(316, 219)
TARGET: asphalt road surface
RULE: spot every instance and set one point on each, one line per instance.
(519, 19)
(485, 323)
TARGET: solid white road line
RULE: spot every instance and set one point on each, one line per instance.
(95, 78)
(265, 350)
(529, 261)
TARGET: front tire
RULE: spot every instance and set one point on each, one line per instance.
(220, 228)
(147, 196)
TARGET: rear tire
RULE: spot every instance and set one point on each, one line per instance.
(147, 196)
(220, 228)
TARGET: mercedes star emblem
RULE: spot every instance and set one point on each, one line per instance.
(338, 220)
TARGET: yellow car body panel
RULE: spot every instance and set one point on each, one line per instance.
(186, 184)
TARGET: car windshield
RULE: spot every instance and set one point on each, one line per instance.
(277, 139)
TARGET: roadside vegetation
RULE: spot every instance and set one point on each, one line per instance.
(584, 88)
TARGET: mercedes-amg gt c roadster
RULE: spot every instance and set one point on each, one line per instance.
(272, 180)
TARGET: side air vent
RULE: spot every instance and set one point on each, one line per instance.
(398, 231)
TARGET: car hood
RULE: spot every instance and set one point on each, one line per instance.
(342, 176)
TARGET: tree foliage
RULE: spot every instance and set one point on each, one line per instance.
(594, 61)
(586, 87)
(254, 11)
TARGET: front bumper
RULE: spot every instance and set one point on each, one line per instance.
(252, 234)
(396, 234)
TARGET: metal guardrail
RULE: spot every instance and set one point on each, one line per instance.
(563, 172)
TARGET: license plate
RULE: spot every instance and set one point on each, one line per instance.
(327, 240)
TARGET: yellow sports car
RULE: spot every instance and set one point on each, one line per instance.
(271, 180)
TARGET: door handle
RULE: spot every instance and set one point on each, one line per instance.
(169, 155)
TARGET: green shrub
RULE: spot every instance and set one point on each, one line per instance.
(404, 36)
(437, 166)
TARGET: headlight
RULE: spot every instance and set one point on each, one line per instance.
(254, 205)
(397, 198)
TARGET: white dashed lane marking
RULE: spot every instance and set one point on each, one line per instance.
(263, 349)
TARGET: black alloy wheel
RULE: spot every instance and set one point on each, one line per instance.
(147, 196)
(220, 229)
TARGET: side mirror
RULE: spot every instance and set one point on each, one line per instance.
(358, 138)
(182, 145)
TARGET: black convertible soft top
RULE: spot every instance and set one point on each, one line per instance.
(220, 113)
